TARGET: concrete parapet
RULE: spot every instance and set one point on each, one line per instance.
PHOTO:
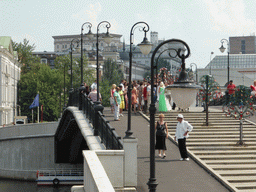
(130, 162)
(95, 176)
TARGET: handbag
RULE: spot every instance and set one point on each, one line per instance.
(111, 99)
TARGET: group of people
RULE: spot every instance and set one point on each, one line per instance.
(140, 97)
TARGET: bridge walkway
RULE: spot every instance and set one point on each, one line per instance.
(171, 174)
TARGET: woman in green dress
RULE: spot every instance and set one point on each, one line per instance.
(162, 103)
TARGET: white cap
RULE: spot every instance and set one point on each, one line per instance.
(180, 116)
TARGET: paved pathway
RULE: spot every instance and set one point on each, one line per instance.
(171, 174)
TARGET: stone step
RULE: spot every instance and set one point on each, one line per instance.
(215, 131)
(217, 143)
(226, 148)
(249, 186)
(237, 173)
(235, 139)
(226, 157)
(235, 179)
(237, 152)
(235, 167)
(228, 161)
(227, 136)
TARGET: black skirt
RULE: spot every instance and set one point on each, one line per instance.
(160, 142)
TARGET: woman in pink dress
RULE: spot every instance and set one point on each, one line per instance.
(134, 98)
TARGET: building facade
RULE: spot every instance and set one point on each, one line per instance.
(46, 57)
(242, 69)
(9, 77)
(242, 45)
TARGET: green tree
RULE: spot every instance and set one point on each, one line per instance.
(65, 61)
(111, 75)
(111, 72)
(25, 56)
(41, 78)
(213, 89)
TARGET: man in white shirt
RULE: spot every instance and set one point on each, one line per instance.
(182, 129)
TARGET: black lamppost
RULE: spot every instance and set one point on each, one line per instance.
(183, 82)
(222, 49)
(90, 36)
(145, 48)
(107, 38)
(210, 63)
(196, 71)
(71, 63)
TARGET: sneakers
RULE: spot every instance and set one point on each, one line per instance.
(121, 115)
(185, 159)
(181, 159)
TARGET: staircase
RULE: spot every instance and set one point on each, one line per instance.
(215, 147)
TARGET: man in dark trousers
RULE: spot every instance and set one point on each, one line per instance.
(182, 129)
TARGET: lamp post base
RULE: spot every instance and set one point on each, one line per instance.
(152, 184)
(128, 134)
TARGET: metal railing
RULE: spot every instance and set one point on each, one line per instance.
(101, 126)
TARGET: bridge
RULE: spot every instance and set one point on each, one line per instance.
(110, 162)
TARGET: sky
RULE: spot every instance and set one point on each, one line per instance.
(200, 23)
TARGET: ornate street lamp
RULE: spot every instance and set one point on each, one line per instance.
(191, 64)
(145, 48)
(90, 36)
(222, 49)
(71, 63)
(183, 88)
(107, 38)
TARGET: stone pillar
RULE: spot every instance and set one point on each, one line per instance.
(130, 162)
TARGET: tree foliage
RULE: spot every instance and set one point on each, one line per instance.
(213, 88)
(111, 75)
(111, 72)
(64, 62)
(25, 56)
(41, 78)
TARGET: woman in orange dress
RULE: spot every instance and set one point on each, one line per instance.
(134, 98)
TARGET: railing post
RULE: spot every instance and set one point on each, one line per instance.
(80, 96)
(97, 107)
(70, 101)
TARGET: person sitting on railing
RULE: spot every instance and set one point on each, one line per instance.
(93, 95)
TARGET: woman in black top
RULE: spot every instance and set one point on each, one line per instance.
(161, 134)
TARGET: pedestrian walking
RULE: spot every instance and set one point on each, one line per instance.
(122, 106)
(117, 102)
(161, 135)
(182, 129)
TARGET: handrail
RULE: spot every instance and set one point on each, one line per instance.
(106, 132)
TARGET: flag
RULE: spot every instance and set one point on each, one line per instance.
(35, 102)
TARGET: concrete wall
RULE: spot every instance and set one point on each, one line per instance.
(27, 148)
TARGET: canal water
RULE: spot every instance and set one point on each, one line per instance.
(24, 186)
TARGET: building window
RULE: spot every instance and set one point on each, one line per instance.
(43, 60)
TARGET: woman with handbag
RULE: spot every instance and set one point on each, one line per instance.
(161, 135)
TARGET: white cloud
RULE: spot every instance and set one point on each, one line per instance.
(229, 16)
(90, 13)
